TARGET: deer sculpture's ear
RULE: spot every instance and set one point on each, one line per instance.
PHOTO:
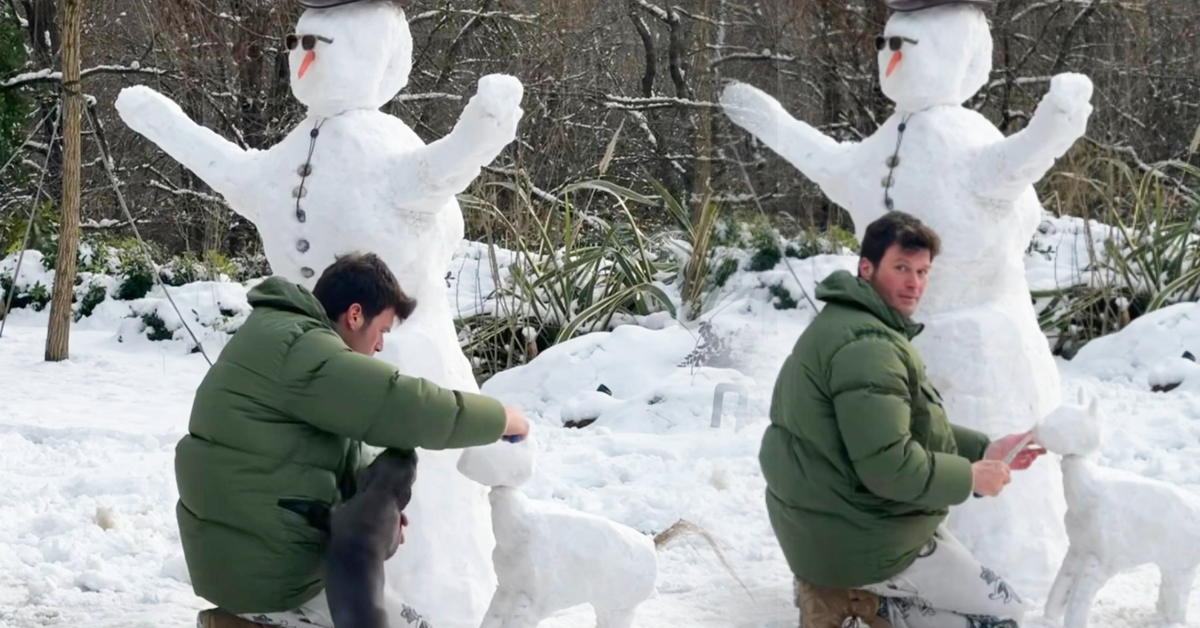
(1094, 409)
(1082, 398)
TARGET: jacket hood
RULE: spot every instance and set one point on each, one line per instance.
(851, 290)
(281, 294)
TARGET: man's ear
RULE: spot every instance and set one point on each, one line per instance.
(354, 317)
(865, 268)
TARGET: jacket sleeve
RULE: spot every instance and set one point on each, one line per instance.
(337, 390)
(869, 384)
(971, 444)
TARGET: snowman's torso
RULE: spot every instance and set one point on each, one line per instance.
(345, 203)
(934, 179)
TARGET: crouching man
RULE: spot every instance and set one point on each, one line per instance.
(862, 464)
(275, 437)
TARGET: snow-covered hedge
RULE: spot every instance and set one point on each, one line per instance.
(115, 289)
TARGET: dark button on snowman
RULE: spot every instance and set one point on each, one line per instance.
(351, 178)
(951, 167)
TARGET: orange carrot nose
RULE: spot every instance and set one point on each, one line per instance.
(311, 56)
(891, 66)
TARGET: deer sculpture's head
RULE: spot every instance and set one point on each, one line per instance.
(1071, 430)
(502, 463)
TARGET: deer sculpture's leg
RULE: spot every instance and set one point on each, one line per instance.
(503, 602)
(615, 618)
(1060, 592)
(523, 613)
(1173, 593)
(1092, 577)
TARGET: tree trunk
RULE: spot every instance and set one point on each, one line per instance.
(706, 87)
(58, 338)
(43, 34)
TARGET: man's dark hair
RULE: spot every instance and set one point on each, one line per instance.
(364, 279)
(899, 228)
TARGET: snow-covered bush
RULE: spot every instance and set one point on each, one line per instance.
(115, 285)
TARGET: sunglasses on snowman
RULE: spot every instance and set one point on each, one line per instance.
(894, 43)
(308, 42)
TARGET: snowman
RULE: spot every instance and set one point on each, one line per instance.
(950, 167)
(352, 178)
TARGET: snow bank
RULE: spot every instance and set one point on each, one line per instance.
(650, 392)
(1149, 342)
(213, 311)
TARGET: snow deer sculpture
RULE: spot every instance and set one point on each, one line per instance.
(549, 558)
(1116, 521)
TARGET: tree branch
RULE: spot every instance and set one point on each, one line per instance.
(52, 76)
(648, 44)
(1064, 45)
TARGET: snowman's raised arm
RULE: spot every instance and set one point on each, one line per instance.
(217, 161)
(1004, 170)
(427, 176)
(815, 154)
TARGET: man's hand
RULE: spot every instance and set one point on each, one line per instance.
(989, 477)
(517, 424)
(1000, 449)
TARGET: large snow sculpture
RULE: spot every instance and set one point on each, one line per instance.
(352, 178)
(1116, 521)
(549, 558)
(953, 169)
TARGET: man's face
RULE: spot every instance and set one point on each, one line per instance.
(362, 334)
(900, 278)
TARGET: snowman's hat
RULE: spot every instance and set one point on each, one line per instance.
(323, 4)
(328, 4)
(917, 5)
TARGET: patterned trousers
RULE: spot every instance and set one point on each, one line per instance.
(947, 588)
(315, 614)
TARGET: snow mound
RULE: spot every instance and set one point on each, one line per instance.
(33, 270)
(213, 311)
(650, 391)
(1152, 341)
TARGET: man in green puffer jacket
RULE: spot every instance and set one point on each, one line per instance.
(276, 428)
(862, 464)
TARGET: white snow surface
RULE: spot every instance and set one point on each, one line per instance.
(88, 536)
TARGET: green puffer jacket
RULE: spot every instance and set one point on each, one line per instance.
(860, 461)
(274, 441)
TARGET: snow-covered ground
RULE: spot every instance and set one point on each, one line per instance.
(87, 529)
